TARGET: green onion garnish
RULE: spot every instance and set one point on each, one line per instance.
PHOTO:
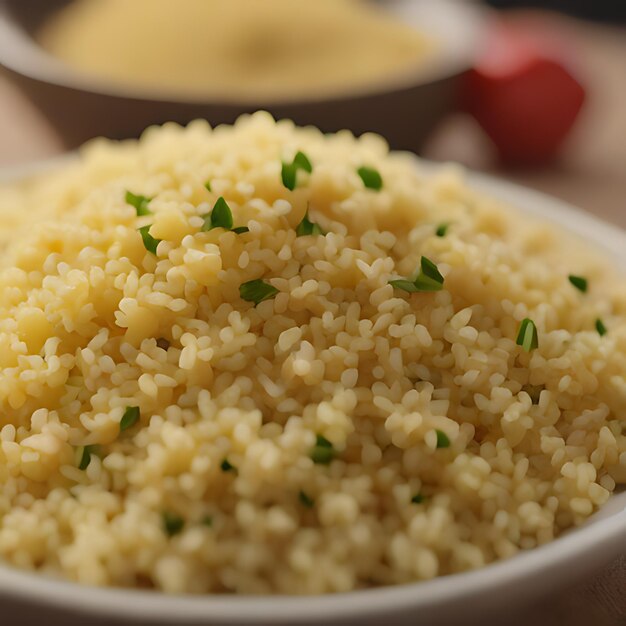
(307, 227)
(579, 282)
(443, 441)
(84, 456)
(257, 291)
(371, 178)
(139, 202)
(442, 229)
(534, 391)
(227, 466)
(172, 524)
(527, 335)
(149, 242)
(600, 327)
(418, 498)
(130, 418)
(305, 500)
(301, 161)
(429, 279)
(290, 170)
(323, 451)
(220, 217)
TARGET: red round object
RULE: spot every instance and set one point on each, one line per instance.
(523, 95)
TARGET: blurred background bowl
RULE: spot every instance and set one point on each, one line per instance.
(404, 109)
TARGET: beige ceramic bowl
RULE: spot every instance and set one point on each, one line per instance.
(404, 109)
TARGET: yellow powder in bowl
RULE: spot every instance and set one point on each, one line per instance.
(237, 49)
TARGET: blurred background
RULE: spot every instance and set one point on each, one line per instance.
(534, 92)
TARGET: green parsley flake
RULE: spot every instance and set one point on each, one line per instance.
(443, 441)
(305, 500)
(371, 178)
(241, 229)
(130, 418)
(149, 242)
(442, 229)
(579, 282)
(301, 161)
(429, 279)
(84, 454)
(139, 202)
(600, 327)
(207, 185)
(418, 498)
(257, 291)
(289, 171)
(220, 217)
(172, 524)
(323, 452)
(207, 520)
(226, 466)
(527, 335)
(307, 227)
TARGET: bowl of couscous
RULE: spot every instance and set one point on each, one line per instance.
(111, 68)
(259, 374)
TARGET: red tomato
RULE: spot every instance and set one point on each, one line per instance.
(523, 95)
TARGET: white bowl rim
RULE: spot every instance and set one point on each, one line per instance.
(602, 537)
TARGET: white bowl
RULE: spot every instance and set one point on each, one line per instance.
(460, 598)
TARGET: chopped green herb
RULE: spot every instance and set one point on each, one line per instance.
(84, 456)
(305, 500)
(241, 229)
(418, 498)
(442, 229)
(301, 161)
(371, 178)
(288, 175)
(130, 418)
(323, 451)
(163, 343)
(149, 242)
(534, 391)
(220, 217)
(226, 466)
(429, 279)
(207, 520)
(207, 185)
(579, 282)
(257, 291)
(307, 227)
(139, 202)
(527, 335)
(443, 441)
(172, 524)
(289, 171)
(600, 327)
(405, 285)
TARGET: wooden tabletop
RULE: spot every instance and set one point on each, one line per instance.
(590, 174)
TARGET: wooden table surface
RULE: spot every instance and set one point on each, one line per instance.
(590, 174)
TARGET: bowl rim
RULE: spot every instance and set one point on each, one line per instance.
(588, 545)
(460, 24)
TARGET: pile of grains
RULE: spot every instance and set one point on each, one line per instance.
(261, 359)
